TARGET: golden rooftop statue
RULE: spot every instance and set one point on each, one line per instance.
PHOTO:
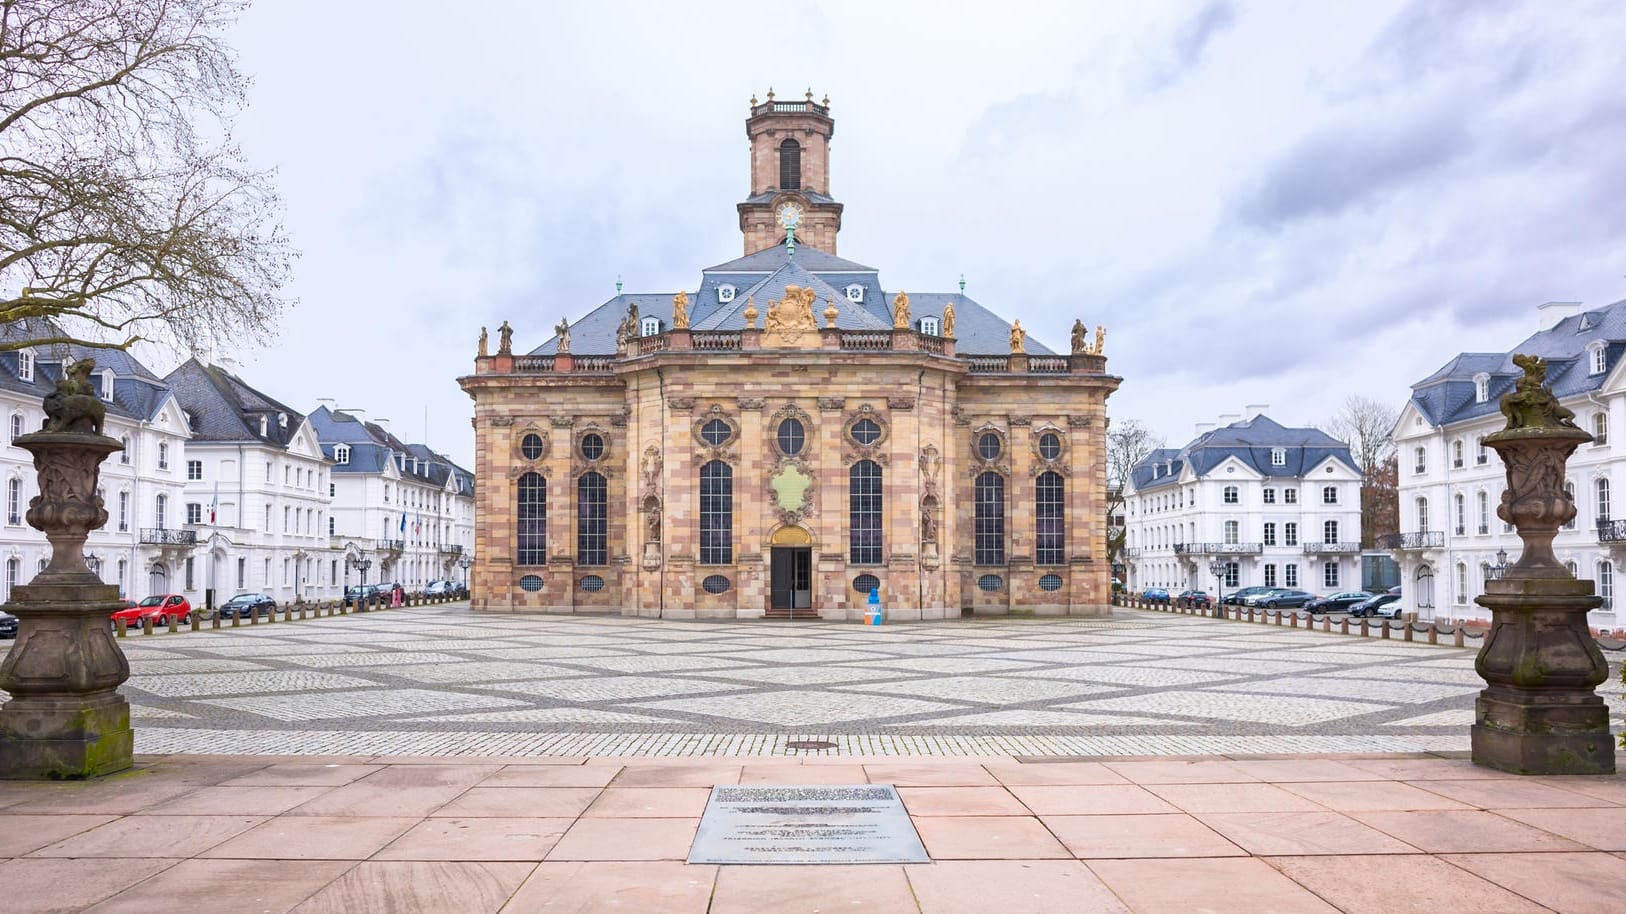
(900, 311)
(680, 311)
(948, 320)
(830, 314)
(1018, 339)
(750, 312)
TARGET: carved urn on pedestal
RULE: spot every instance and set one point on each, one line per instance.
(1540, 713)
(66, 718)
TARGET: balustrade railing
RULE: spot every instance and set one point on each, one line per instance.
(1331, 547)
(1417, 539)
(986, 364)
(1218, 548)
(1611, 531)
(868, 340)
(716, 340)
(158, 536)
(1048, 364)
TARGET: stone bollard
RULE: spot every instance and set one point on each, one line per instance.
(122, 627)
(214, 620)
(1326, 624)
(146, 625)
(174, 624)
(302, 611)
(1434, 632)
(1405, 631)
(1294, 620)
(1278, 617)
(1456, 636)
(1343, 626)
(1383, 630)
(196, 620)
(236, 620)
(1366, 630)
(254, 617)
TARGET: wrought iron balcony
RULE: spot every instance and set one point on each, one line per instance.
(1132, 552)
(1330, 547)
(451, 549)
(1417, 539)
(1612, 531)
(1218, 548)
(392, 545)
(158, 536)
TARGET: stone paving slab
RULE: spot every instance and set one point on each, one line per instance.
(1119, 836)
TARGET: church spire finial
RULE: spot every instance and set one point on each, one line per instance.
(962, 283)
(618, 283)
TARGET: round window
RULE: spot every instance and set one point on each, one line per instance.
(715, 583)
(1050, 582)
(865, 583)
(531, 446)
(593, 583)
(530, 583)
(716, 432)
(988, 446)
(592, 446)
(865, 431)
(990, 583)
(1050, 445)
(791, 437)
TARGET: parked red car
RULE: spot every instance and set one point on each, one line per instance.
(159, 608)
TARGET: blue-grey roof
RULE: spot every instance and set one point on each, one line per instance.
(223, 407)
(1251, 441)
(372, 448)
(1449, 395)
(137, 392)
(763, 275)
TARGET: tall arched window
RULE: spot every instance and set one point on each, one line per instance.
(1050, 519)
(990, 519)
(1462, 513)
(864, 513)
(716, 513)
(532, 520)
(592, 520)
(1329, 534)
(1422, 515)
(1569, 492)
(1484, 513)
(14, 501)
(790, 165)
(161, 509)
(1601, 488)
(14, 570)
(1425, 587)
(1606, 584)
(1462, 583)
(1232, 533)
(1600, 428)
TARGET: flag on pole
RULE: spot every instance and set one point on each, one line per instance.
(214, 502)
(403, 523)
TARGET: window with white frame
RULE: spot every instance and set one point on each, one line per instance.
(1481, 388)
(1231, 495)
(1329, 531)
(1233, 574)
(163, 455)
(341, 454)
(1270, 574)
(1462, 584)
(1456, 454)
(17, 426)
(124, 453)
(1482, 455)
(1290, 575)
(1232, 531)
(124, 511)
(649, 326)
(1422, 514)
(1600, 491)
(1329, 495)
(160, 510)
(106, 385)
(1599, 358)
(1573, 569)
(1569, 492)
(1270, 534)
(14, 501)
(194, 469)
(1462, 513)
(25, 365)
(1606, 584)
(1420, 460)
(1329, 574)
(194, 512)
(1484, 512)
(1290, 496)
(1278, 456)
(1600, 428)
(725, 293)
(1290, 534)
(1270, 496)
(930, 327)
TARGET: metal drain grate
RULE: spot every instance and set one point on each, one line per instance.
(809, 744)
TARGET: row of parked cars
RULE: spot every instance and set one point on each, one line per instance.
(161, 608)
(1358, 603)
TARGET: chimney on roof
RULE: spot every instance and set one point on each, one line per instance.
(1204, 428)
(1549, 314)
(1255, 410)
(1228, 418)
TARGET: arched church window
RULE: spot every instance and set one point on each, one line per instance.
(864, 513)
(790, 165)
(990, 519)
(1050, 497)
(716, 513)
(532, 520)
(592, 520)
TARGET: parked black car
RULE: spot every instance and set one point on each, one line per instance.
(1387, 605)
(247, 605)
(370, 595)
(1236, 597)
(8, 625)
(1336, 602)
(1287, 597)
(1194, 599)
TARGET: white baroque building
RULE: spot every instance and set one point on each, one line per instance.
(1276, 506)
(1450, 484)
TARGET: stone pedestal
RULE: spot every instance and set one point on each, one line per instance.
(1540, 713)
(65, 718)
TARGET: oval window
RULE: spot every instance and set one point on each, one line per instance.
(1050, 445)
(988, 446)
(593, 583)
(865, 431)
(1050, 582)
(715, 583)
(865, 583)
(791, 437)
(530, 583)
(716, 432)
(531, 446)
(592, 446)
(990, 583)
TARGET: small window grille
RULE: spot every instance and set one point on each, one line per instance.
(865, 583)
(592, 583)
(715, 583)
(1050, 582)
(530, 583)
(990, 583)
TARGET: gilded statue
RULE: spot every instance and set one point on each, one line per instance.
(948, 320)
(73, 407)
(750, 312)
(1531, 404)
(481, 352)
(900, 311)
(1100, 340)
(505, 339)
(680, 311)
(1080, 347)
(1018, 339)
(563, 330)
(790, 322)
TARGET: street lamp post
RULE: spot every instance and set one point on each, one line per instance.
(1218, 568)
(361, 564)
(464, 563)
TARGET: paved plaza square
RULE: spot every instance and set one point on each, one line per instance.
(445, 681)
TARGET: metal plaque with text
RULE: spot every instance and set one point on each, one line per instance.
(812, 823)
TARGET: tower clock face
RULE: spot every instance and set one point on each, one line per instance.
(789, 214)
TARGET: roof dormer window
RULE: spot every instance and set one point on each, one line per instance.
(282, 420)
(649, 326)
(1481, 388)
(25, 365)
(929, 326)
(855, 293)
(265, 426)
(107, 384)
(1278, 456)
(341, 454)
(1599, 358)
(725, 293)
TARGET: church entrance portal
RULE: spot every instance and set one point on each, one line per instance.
(791, 586)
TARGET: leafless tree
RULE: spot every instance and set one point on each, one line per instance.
(1364, 424)
(1128, 443)
(126, 212)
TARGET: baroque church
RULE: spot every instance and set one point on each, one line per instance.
(788, 436)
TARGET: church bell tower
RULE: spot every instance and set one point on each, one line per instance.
(790, 175)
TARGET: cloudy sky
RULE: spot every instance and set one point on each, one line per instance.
(1270, 202)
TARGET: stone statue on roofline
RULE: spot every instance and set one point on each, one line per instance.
(900, 311)
(1018, 339)
(680, 311)
(563, 330)
(484, 338)
(1080, 347)
(1100, 340)
(948, 320)
(505, 339)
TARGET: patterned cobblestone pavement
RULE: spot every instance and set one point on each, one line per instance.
(442, 680)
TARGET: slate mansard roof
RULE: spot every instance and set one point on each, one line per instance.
(1250, 441)
(762, 277)
(1449, 395)
(223, 407)
(372, 448)
(137, 393)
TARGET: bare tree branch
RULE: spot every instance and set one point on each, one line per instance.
(1364, 424)
(1128, 443)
